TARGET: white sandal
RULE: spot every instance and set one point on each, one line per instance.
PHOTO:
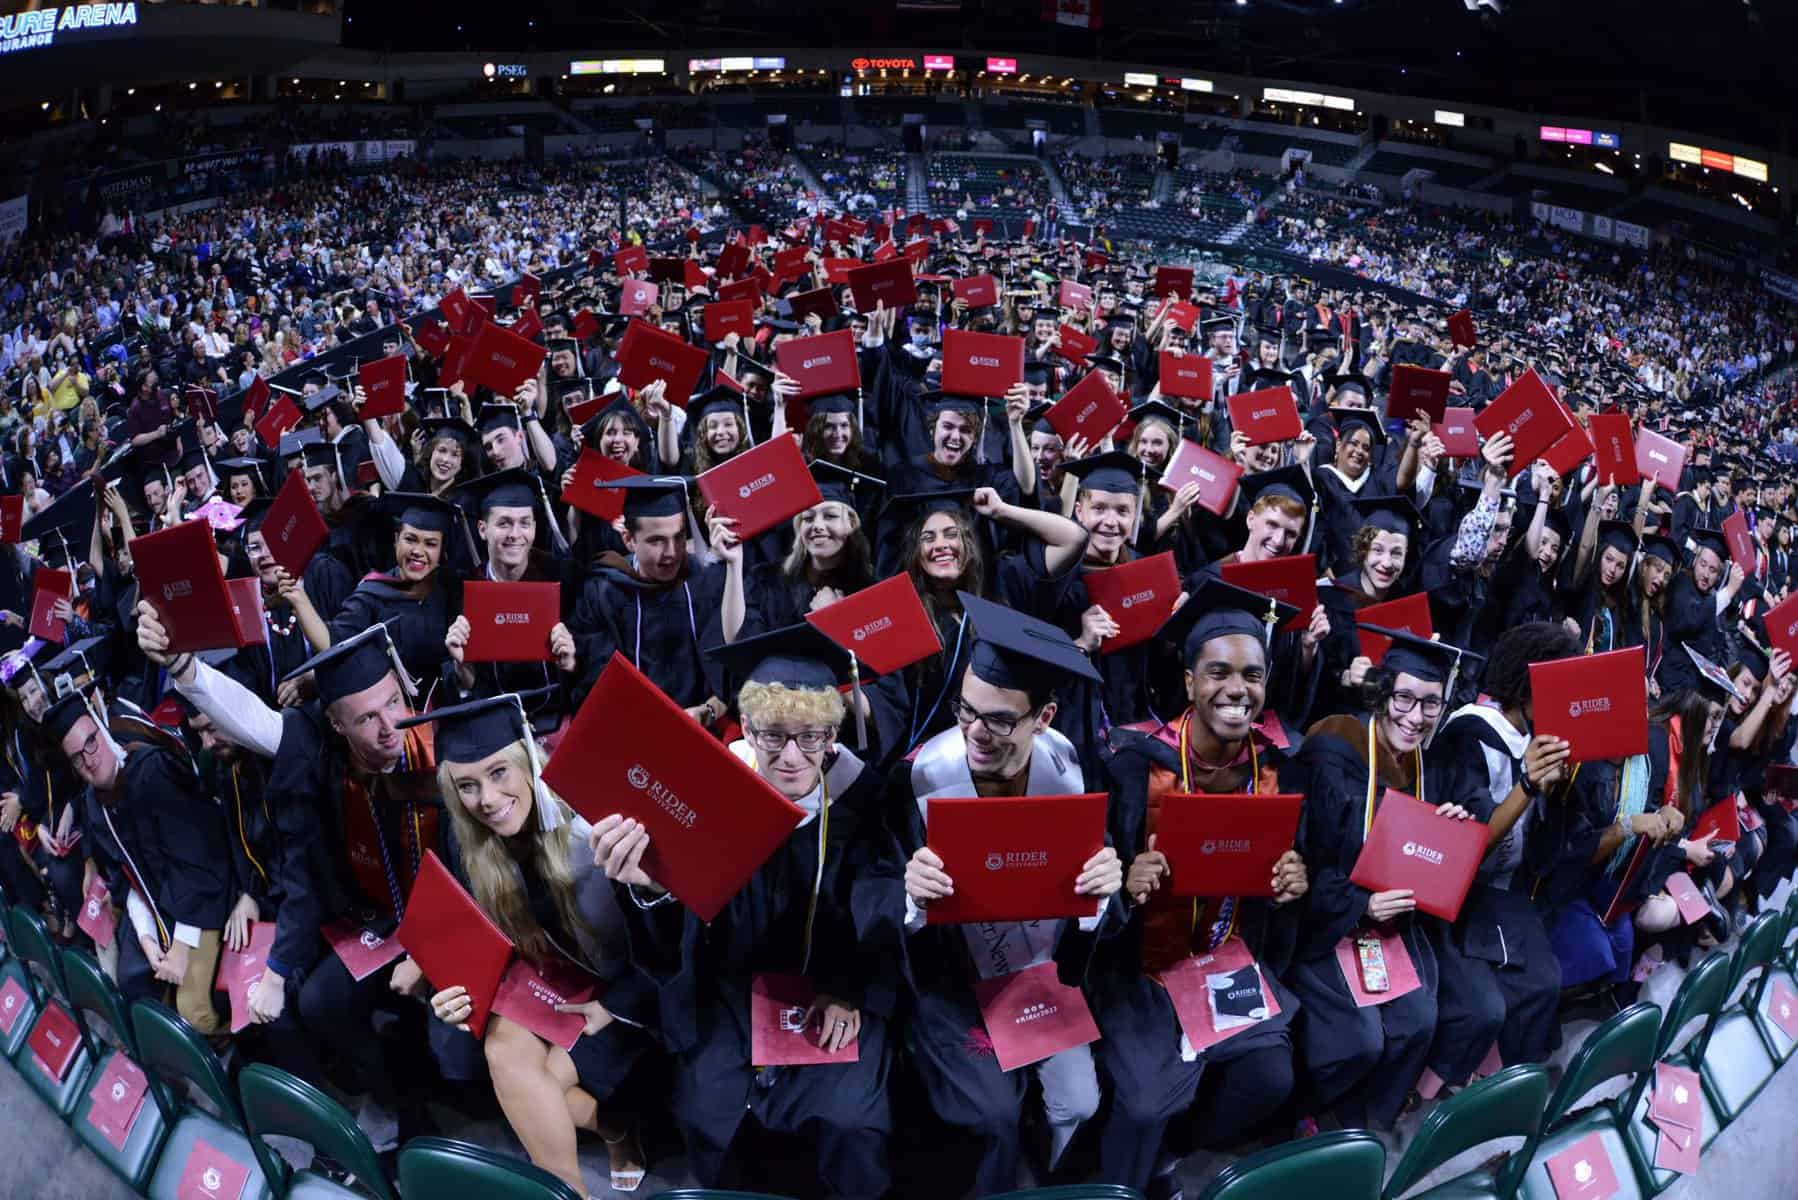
(625, 1181)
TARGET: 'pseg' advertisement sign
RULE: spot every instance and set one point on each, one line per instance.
(59, 24)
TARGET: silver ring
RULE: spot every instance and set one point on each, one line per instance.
(842, 1024)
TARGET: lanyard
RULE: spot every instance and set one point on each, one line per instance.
(1226, 916)
(409, 823)
(1373, 782)
(237, 796)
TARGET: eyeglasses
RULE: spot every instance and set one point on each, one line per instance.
(90, 746)
(774, 741)
(1404, 702)
(998, 724)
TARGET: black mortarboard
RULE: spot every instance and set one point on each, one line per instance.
(840, 483)
(1291, 482)
(82, 661)
(1367, 418)
(939, 401)
(493, 416)
(462, 431)
(322, 454)
(294, 442)
(830, 402)
(1620, 536)
(1157, 410)
(714, 400)
(1217, 609)
(1394, 514)
(354, 665)
(421, 510)
(64, 713)
(228, 468)
(1709, 539)
(1261, 377)
(473, 730)
(511, 488)
(317, 400)
(915, 506)
(1019, 652)
(1349, 379)
(1422, 658)
(798, 657)
(1113, 471)
(1659, 545)
(652, 495)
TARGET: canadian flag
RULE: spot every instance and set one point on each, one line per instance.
(1083, 14)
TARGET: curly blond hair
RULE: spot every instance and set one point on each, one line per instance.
(768, 704)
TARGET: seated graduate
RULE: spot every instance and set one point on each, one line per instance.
(657, 603)
(1696, 602)
(795, 916)
(157, 839)
(1001, 745)
(295, 631)
(524, 856)
(1498, 979)
(419, 597)
(1365, 1060)
(1382, 566)
(1160, 1112)
(830, 559)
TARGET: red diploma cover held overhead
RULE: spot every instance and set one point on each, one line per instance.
(981, 364)
(453, 940)
(293, 528)
(1457, 433)
(383, 384)
(1225, 845)
(823, 364)
(1014, 858)
(1598, 703)
(1410, 846)
(888, 283)
(1740, 541)
(1660, 458)
(1616, 448)
(178, 573)
(583, 491)
(647, 354)
(1407, 614)
(1267, 415)
(1529, 412)
(883, 625)
(1782, 625)
(712, 821)
(1187, 375)
(1138, 595)
(762, 487)
(510, 622)
(1417, 390)
(501, 360)
(48, 585)
(1091, 409)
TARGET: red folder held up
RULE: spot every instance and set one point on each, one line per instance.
(1225, 845)
(293, 529)
(510, 622)
(452, 939)
(1597, 702)
(178, 573)
(1138, 595)
(761, 487)
(883, 625)
(1410, 846)
(1015, 858)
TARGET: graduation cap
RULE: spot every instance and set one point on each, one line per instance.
(1659, 545)
(355, 664)
(1212, 325)
(938, 401)
(1019, 652)
(68, 709)
(1392, 514)
(421, 510)
(1159, 410)
(1426, 659)
(1217, 609)
(323, 454)
(294, 442)
(451, 427)
(514, 487)
(228, 469)
(1290, 482)
(840, 483)
(718, 399)
(83, 662)
(915, 506)
(1350, 380)
(1101, 361)
(1035, 418)
(497, 416)
(1714, 682)
(328, 394)
(1113, 471)
(1262, 377)
(26, 660)
(1348, 418)
(833, 402)
(1619, 536)
(476, 729)
(652, 495)
(799, 657)
(1708, 539)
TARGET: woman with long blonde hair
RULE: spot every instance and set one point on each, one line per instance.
(524, 857)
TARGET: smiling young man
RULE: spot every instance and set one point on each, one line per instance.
(797, 915)
(1159, 1112)
(1001, 745)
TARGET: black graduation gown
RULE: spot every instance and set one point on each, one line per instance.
(1692, 620)
(417, 623)
(169, 833)
(261, 668)
(250, 827)
(1519, 594)
(1498, 978)
(702, 974)
(498, 678)
(661, 629)
(1156, 1094)
(1368, 1057)
(1338, 518)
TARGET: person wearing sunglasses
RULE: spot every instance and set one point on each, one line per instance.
(1001, 744)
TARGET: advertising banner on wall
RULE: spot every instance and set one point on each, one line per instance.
(13, 214)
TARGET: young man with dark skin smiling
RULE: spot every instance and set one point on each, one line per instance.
(1159, 1111)
(1001, 745)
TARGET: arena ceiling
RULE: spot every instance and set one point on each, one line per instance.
(1719, 67)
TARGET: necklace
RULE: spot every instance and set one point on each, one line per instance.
(276, 627)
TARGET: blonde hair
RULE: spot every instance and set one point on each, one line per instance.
(768, 704)
(492, 871)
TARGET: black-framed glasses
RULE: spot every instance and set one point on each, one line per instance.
(91, 745)
(774, 741)
(1404, 702)
(999, 724)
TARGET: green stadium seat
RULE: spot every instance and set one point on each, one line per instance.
(93, 994)
(32, 943)
(1701, 993)
(431, 1166)
(1508, 1103)
(1737, 1061)
(175, 1053)
(275, 1102)
(1345, 1165)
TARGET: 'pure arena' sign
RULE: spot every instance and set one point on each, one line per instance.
(48, 26)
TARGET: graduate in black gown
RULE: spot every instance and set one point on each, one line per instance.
(799, 914)
(1169, 1097)
(1697, 600)
(657, 603)
(1364, 1060)
(1382, 567)
(420, 596)
(1498, 979)
(1001, 745)
(525, 858)
(288, 616)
